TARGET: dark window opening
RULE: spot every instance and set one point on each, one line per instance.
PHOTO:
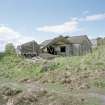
(63, 49)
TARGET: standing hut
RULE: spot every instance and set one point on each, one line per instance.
(29, 49)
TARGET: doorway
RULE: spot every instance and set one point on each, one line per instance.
(51, 50)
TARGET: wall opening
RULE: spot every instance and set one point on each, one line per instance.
(51, 50)
(63, 49)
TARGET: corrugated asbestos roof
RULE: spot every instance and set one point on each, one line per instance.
(72, 40)
(78, 39)
(45, 43)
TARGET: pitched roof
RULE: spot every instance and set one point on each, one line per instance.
(72, 40)
(45, 43)
(29, 43)
(78, 39)
(54, 41)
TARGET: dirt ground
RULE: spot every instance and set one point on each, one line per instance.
(34, 93)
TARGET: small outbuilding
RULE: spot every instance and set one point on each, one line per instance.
(29, 49)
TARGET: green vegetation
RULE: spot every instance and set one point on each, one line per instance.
(92, 61)
(61, 75)
(10, 49)
(14, 67)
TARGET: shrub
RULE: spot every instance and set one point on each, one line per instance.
(10, 49)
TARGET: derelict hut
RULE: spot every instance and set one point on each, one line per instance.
(81, 45)
(30, 49)
(57, 46)
(68, 46)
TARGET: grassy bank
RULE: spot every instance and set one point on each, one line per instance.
(91, 65)
(13, 67)
(63, 76)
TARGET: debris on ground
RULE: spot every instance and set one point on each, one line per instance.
(35, 95)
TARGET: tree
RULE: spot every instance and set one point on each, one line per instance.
(10, 49)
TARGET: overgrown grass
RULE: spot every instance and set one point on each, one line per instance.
(92, 61)
(88, 69)
(78, 69)
(14, 67)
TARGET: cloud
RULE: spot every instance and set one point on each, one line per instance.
(8, 35)
(72, 25)
(95, 17)
(66, 27)
(91, 18)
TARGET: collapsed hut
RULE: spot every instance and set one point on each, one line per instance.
(67, 46)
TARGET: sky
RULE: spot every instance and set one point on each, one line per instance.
(25, 20)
